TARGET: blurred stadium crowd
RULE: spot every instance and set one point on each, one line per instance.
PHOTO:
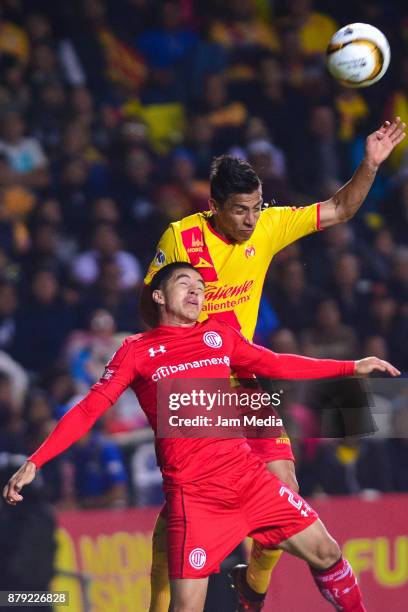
(110, 115)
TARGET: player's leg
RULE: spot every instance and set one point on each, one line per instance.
(188, 594)
(332, 574)
(262, 560)
(159, 577)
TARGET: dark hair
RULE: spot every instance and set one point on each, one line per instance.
(163, 275)
(230, 175)
(148, 307)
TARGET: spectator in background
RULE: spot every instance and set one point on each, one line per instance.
(192, 191)
(399, 275)
(315, 28)
(12, 424)
(200, 142)
(40, 421)
(46, 251)
(225, 115)
(277, 104)
(100, 475)
(48, 117)
(13, 40)
(88, 352)
(349, 289)
(15, 91)
(243, 35)
(44, 66)
(293, 300)
(166, 45)
(269, 163)
(8, 309)
(108, 61)
(107, 293)
(346, 467)
(106, 246)
(329, 336)
(378, 255)
(397, 446)
(42, 323)
(395, 210)
(284, 341)
(28, 163)
(320, 172)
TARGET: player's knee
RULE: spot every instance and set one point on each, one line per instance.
(285, 471)
(327, 552)
(289, 478)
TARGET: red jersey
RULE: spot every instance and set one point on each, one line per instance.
(206, 350)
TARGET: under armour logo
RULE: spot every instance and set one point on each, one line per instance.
(108, 374)
(153, 351)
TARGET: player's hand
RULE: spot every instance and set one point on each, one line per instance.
(381, 143)
(22, 477)
(373, 364)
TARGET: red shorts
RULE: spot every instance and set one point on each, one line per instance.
(272, 449)
(207, 520)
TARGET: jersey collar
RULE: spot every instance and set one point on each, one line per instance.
(213, 231)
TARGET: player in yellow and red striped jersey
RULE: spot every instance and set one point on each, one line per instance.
(233, 244)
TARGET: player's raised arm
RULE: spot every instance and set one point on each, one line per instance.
(346, 202)
(263, 362)
(118, 375)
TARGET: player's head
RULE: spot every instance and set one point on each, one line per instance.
(236, 197)
(177, 293)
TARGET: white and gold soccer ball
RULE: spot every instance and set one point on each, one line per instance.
(358, 55)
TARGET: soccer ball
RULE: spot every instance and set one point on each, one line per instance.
(358, 55)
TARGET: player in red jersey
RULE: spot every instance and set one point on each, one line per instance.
(232, 245)
(217, 490)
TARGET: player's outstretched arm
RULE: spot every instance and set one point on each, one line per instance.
(346, 202)
(79, 420)
(264, 362)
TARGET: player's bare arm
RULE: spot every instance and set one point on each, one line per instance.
(347, 201)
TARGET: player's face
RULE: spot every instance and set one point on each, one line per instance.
(183, 296)
(237, 218)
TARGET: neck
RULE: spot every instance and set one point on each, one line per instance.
(219, 230)
(172, 320)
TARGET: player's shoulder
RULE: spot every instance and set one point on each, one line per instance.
(136, 340)
(195, 220)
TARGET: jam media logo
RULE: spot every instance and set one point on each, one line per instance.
(212, 339)
(250, 251)
(160, 257)
(153, 352)
(197, 558)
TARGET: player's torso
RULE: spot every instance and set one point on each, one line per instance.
(166, 354)
(170, 352)
(234, 273)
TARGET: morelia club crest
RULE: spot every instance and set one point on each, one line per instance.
(212, 339)
(250, 252)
